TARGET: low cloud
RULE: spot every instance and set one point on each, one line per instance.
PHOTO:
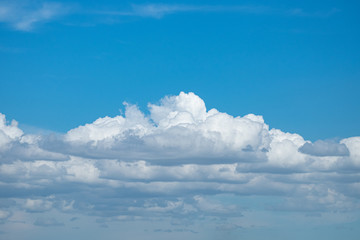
(180, 130)
(325, 148)
(173, 162)
(37, 205)
(4, 215)
(47, 222)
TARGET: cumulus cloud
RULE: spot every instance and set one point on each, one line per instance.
(8, 132)
(173, 162)
(15, 145)
(179, 130)
(37, 205)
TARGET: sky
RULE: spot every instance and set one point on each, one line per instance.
(179, 119)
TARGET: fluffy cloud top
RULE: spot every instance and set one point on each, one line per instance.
(8, 132)
(171, 162)
(180, 130)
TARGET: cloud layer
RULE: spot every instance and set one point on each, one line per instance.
(172, 162)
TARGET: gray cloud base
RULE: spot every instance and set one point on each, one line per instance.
(325, 148)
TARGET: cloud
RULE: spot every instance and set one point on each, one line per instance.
(37, 205)
(180, 129)
(25, 15)
(4, 215)
(325, 148)
(14, 144)
(47, 222)
(173, 163)
(352, 145)
(320, 14)
(158, 11)
(8, 132)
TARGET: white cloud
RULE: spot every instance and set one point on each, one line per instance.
(178, 128)
(353, 145)
(37, 205)
(152, 10)
(8, 132)
(170, 163)
(159, 10)
(26, 15)
(14, 144)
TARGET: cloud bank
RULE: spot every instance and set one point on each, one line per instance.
(173, 162)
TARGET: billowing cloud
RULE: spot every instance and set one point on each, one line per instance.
(178, 131)
(14, 144)
(173, 162)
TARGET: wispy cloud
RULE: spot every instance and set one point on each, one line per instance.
(156, 10)
(24, 16)
(299, 12)
(160, 10)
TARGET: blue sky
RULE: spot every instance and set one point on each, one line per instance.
(110, 102)
(297, 64)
